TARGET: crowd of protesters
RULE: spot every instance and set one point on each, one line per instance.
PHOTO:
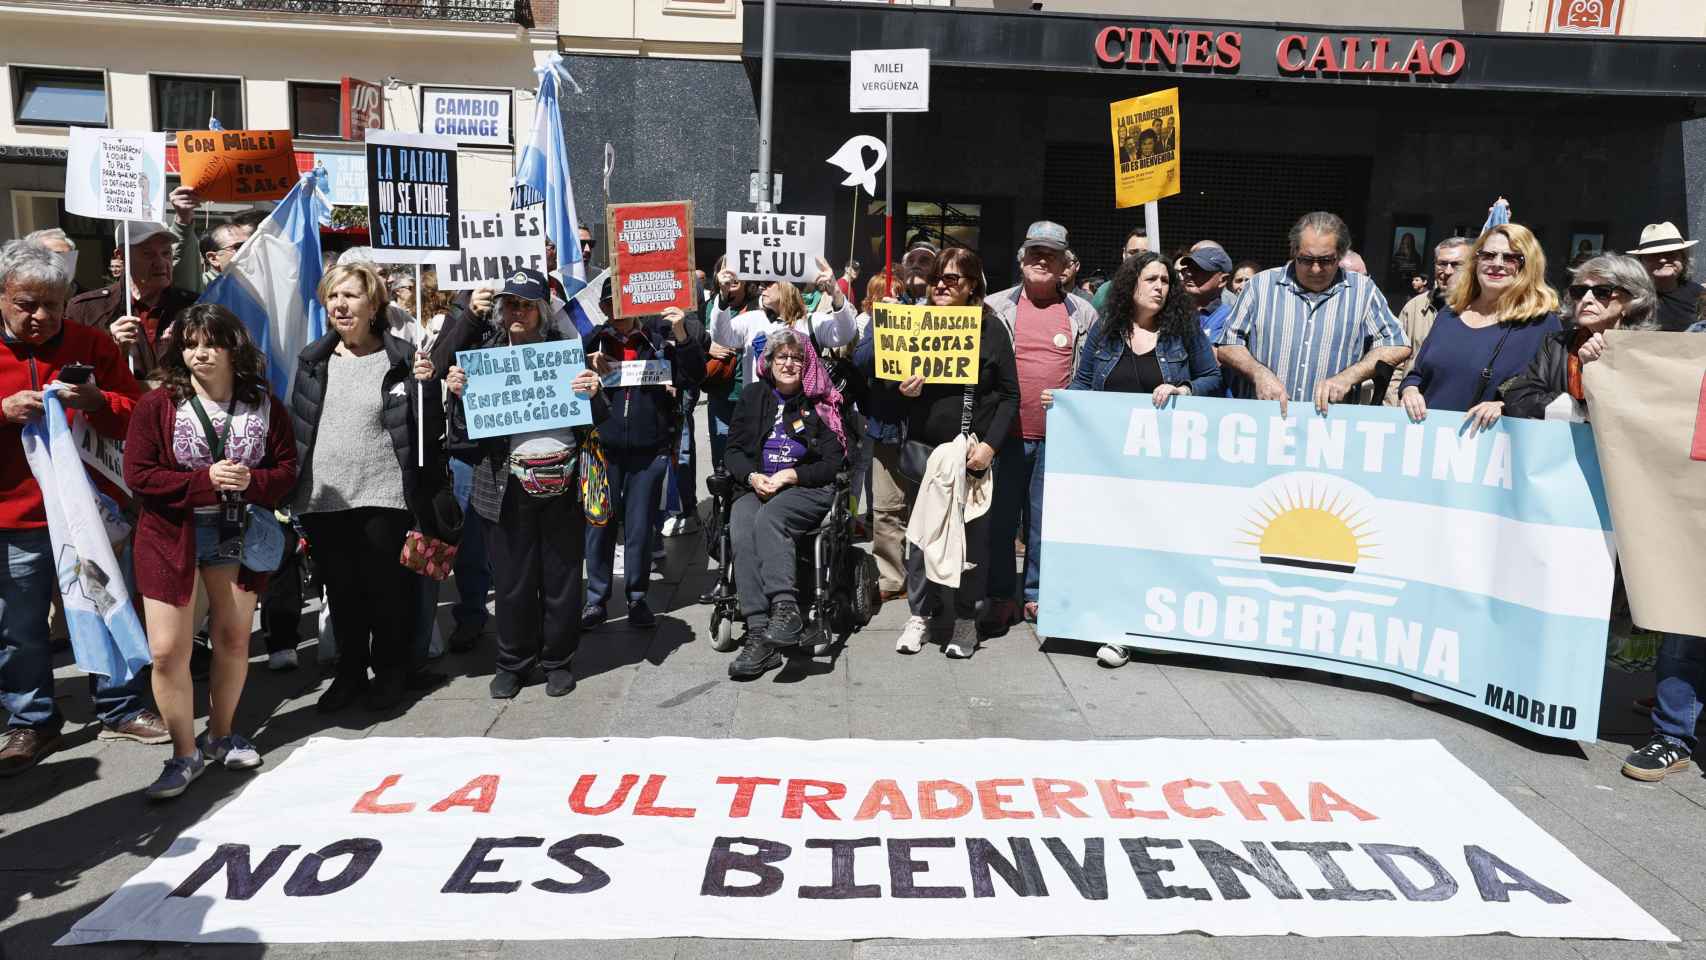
(371, 461)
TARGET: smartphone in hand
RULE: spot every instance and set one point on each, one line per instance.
(78, 373)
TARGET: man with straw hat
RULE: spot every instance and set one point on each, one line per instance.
(1664, 252)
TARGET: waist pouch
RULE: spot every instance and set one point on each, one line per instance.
(550, 475)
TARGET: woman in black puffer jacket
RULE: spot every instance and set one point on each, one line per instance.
(785, 446)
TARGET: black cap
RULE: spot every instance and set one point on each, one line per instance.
(525, 285)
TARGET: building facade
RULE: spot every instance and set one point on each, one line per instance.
(252, 64)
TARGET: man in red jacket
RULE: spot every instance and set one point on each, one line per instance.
(36, 348)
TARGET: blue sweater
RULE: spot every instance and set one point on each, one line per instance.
(1448, 368)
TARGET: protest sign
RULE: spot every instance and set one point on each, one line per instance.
(475, 117)
(1647, 403)
(638, 373)
(651, 254)
(775, 246)
(495, 244)
(889, 81)
(1474, 569)
(116, 174)
(411, 196)
(523, 388)
(103, 455)
(405, 839)
(237, 165)
(361, 107)
(939, 344)
(346, 177)
(1146, 147)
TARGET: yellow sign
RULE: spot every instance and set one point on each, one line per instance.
(1146, 147)
(937, 343)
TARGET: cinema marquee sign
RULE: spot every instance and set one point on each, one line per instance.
(1294, 54)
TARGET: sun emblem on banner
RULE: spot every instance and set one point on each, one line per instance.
(1309, 526)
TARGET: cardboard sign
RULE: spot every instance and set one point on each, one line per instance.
(889, 81)
(361, 107)
(939, 344)
(468, 116)
(495, 244)
(411, 197)
(486, 838)
(775, 246)
(1358, 544)
(523, 388)
(651, 256)
(1146, 147)
(237, 165)
(116, 174)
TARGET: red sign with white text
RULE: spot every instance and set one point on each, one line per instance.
(1296, 55)
(651, 247)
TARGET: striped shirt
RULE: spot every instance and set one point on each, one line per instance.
(1306, 337)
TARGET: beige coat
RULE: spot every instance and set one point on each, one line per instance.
(948, 497)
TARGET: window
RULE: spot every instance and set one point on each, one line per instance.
(59, 98)
(314, 110)
(940, 224)
(189, 103)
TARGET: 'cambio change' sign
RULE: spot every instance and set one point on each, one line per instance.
(470, 116)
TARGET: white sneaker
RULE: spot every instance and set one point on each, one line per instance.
(911, 636)
(960, 649)
(281, 660)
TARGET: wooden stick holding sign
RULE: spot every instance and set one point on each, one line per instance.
(939, 344)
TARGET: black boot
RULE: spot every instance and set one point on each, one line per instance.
(754, 660)
(786, 624)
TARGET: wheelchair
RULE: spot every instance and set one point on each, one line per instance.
(836, 581)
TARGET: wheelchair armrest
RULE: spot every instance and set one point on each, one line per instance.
(720, 484)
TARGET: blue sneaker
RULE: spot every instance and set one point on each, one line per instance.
(179, 773)
(234, 752)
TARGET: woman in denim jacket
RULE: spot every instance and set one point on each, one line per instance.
(1148, 341)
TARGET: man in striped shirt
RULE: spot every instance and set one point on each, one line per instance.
(1310, 330)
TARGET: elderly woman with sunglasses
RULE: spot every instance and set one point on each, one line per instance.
(1493, 322)
(1611, 291)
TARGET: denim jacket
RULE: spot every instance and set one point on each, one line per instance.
(1183, 361)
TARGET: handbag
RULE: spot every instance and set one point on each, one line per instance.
(428, 556)
(262, 539)
(720, 371)
(595, 482)
(430, 548)
(915, 454)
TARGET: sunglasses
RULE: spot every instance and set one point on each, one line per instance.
(951, 279)
(1322, 262)
(1490, 257)
(1601, 291)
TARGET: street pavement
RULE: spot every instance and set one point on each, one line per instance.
(75, 828)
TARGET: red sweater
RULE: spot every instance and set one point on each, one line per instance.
(30, 367)
(168, 494)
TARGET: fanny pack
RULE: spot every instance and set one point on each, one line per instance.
(546, 475)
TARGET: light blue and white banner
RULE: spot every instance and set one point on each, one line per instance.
(1474, 569)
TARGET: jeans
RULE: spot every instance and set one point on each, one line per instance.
(1681, 675)
(473, 569)
(636, 479)
(27, 585)
(1018, 499)
(687, 457)
(720, 411)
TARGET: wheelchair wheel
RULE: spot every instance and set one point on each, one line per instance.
(722, 632)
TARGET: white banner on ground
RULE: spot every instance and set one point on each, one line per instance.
(480, 839)
(495, 244)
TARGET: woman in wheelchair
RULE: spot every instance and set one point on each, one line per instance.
(785, 446)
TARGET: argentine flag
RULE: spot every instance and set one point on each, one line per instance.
(272, 282)
(542, 176)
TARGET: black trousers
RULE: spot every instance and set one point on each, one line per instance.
(943, 605)
(535, 550)
(281, 607)
(372, 595)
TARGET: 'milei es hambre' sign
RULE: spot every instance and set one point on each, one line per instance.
(476, 838)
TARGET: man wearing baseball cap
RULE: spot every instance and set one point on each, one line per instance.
(1664, 252)
(1047, 324)
(1206, 268)
(154, 302)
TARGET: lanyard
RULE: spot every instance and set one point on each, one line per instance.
(216, 444)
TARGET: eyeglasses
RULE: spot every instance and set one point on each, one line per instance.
(588, 244)
(788, 359)
(1490, 257)
(951, 279)
(1453, 264)
(1321, 262)
(1601, 291)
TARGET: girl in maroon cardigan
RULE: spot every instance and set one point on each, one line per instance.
(211, 437)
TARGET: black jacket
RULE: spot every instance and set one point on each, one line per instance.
(644, 418)
(489, 457)
(933, 417)
(398, 416)
(1528, 393)
(755, 417)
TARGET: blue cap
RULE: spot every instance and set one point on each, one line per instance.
(1212, 259)
(525, 285)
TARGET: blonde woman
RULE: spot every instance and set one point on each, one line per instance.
(821, 313)
(1495, 318)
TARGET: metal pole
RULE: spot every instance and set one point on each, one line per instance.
(766, 85)
(420, 388)
(888, 204)
(1152, 224)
